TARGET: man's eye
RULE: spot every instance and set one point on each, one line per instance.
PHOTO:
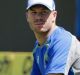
(33, 12)
(44, 13)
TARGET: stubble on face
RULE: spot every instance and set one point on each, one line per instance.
(39, 19)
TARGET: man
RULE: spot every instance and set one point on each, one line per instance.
(56, 50)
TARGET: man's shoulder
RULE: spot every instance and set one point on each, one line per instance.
(60, 32)
(61, 35)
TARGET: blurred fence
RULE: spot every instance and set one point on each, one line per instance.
(15, 63)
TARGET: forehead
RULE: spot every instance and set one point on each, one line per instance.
(38, 6)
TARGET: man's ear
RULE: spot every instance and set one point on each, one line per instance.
(55, 14)
(26, 16)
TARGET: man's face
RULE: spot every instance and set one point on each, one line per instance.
(40, 18)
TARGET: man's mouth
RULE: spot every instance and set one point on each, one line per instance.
(39, 23)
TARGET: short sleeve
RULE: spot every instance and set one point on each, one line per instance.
(58, 54)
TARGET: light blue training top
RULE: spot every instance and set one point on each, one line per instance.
(52, 56)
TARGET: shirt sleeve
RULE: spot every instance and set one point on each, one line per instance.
(58, 55)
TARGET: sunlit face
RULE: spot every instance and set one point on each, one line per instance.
(40, 18)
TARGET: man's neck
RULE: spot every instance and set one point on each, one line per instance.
(42, 37)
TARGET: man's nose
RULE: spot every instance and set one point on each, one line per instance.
(38, 16)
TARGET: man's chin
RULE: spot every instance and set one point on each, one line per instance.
(41, 31)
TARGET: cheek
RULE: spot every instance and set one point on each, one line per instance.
(49, 21)
(28, 17)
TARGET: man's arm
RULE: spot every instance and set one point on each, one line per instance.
(56, 74)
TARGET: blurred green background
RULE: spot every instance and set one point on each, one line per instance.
(15, 63)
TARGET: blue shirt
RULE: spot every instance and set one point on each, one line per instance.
(52, 56)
